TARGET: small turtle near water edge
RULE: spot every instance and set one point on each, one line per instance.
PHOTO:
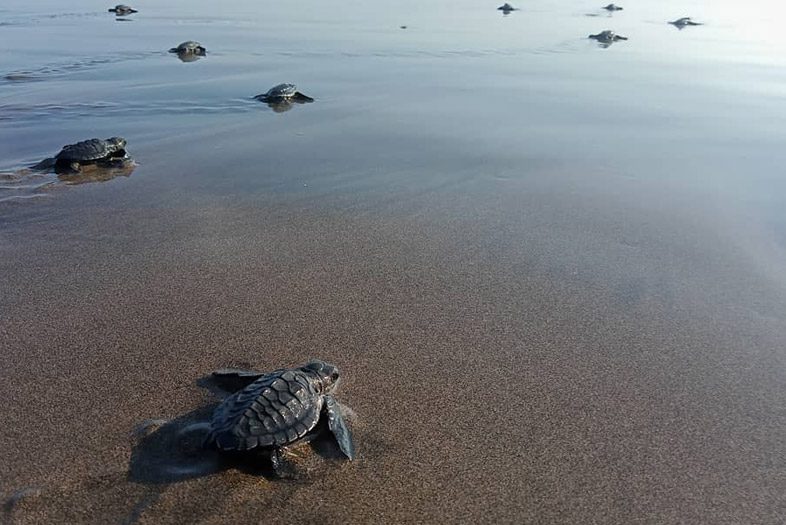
(73, 158)
(506, 8)
(606, 38)
(122, 10)
(189, 51)
(683, 22)
(612, 7)
(282, 97)
(271, 412)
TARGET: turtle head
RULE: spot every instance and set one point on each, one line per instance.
(118, 143)
(325, 375)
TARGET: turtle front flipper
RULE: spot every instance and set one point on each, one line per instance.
(300, 97)
(234, 379)
(339, 427)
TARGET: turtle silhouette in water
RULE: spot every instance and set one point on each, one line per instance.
(684, 22)
(282, 97)
(270, 412)
(506, 8)
(606, 38)
(122, 10)
(93, 153)
(612, 7)
(189, 51)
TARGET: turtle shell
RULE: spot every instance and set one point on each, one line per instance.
(275, 410)
(281, 91)
(90, 150)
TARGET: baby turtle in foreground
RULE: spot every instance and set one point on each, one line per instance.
(684, 22)
(282, 97)
(607, 37)
(612, 7)
(189, 51)
(506, 8)
(122, 10)
(275, 410)
(109, 153)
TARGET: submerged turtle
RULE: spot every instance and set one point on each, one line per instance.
(607, 37)
(122, 9)
(189, 51)
(282, 97)
(506, 8)
(612, 7)
(109, 153)
(684, 22)
(275, 410)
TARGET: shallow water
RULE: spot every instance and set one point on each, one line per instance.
(519, 90)
(585, 245)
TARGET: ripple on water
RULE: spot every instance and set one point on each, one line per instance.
(56, 70)
(25, 184)
(36, 113)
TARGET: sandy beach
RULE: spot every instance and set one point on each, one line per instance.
(505, 362)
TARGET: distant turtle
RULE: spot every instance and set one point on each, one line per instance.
(272, 411)
(607, 37)
(282, 97)
(684, 22)
(506, 8)
(612, 7)
(189, 48)
(122, 10)
(102, 153)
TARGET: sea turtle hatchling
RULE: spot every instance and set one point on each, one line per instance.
(684, 22)
(122, 10)
(281, 97)
(506, 8)
(107, 153)
(189, 49)
(612, 7)
(607, 37)
(272, 411)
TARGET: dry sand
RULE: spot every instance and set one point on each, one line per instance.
(551, 355)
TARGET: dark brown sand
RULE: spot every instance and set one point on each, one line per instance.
(522, 352)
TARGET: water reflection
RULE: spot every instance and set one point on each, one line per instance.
(96, 173)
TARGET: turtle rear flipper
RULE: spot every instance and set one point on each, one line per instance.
(283, 467)
(339, 427)
(45, 165)
(234, 379)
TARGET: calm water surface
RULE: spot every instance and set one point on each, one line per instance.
(461, 88)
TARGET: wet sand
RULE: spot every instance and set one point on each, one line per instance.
(533, 349)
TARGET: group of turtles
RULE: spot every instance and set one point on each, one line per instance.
(109, 154)
(608, 37)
